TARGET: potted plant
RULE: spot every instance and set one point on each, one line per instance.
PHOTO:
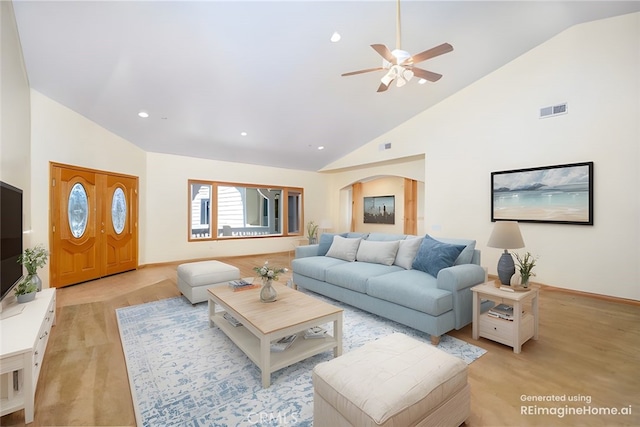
(312, 232)
(32, 260)
(26, 290)
(525, 264)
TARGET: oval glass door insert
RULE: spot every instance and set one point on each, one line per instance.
(118, 210)
(78, 210)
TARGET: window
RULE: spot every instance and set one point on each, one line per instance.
(219, 210)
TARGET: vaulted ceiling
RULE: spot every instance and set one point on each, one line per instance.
(207, 71)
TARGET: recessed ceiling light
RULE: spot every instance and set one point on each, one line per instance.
(422, 81)
(335, 37)
(143, 114)
(243, 134)
(321, 147)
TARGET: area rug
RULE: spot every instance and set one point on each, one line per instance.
(184, 373)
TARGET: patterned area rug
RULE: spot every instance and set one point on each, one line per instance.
(184, 373)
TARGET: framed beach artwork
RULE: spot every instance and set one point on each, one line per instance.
(380, 210)
(560, 194)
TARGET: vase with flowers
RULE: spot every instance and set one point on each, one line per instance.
(525, 264)
(32, 260)
(268, 274)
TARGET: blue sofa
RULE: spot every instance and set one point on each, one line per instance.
(421, 282)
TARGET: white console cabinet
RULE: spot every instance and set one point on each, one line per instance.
(22, 346)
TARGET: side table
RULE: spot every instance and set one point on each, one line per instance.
(514, 333)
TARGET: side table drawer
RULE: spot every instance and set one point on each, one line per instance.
(501, 331)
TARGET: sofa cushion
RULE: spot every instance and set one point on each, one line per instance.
(466, 255)
(413, 289)
(407, 250)
(377, 252)
(344, 248)
(385, 237)
(326, 239)
(314, 266)
(434, 255)
(354, 275)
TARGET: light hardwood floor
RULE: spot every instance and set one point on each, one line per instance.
(588, 349)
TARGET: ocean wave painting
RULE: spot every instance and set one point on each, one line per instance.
(562, 193)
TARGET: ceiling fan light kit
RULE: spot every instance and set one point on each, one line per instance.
(400, 64)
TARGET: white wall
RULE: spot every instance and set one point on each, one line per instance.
(61, 135)
(14, 114)
(168, 199)
(493, 125)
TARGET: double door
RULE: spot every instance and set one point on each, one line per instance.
(94, 224)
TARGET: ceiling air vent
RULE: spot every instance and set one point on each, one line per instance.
(554, 110)
(384, 146)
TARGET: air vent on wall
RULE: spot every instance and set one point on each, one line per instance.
(554, 110)
(384, 146)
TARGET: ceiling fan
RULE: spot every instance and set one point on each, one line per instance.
(400, 65)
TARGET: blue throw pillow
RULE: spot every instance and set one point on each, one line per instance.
(434, 255)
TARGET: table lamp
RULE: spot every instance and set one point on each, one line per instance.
(506, 235)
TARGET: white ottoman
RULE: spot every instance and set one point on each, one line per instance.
(195, 278)
(393, 381)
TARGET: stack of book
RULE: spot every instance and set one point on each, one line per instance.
(315, 333)
(241, 284)
(502, 311)
(283, 343)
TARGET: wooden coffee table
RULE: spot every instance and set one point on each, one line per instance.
(293, 312)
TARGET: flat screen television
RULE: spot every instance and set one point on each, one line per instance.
(10, 237)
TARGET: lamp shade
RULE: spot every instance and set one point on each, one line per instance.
(506, 235)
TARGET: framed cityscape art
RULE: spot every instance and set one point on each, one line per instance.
(554, 194)
(380, 210)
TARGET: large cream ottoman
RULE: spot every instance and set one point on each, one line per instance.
(394, 381)
(195, 278)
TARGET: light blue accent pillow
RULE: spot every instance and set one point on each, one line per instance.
(467, 253)
(434, 255)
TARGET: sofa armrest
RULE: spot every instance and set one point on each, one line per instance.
(458, 280)
(306, 251)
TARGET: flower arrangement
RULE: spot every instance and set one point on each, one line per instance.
(267, 272)
(525, 263)
(33, 259)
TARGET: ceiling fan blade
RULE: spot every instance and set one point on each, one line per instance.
(384, 52)
(383, 87)
(432, 53)
(427, 75)
(368, 70)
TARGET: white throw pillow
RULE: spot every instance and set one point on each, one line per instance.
(407, 252)
(377, 252)
(344, 248)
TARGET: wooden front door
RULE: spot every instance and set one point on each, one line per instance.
(94, 218)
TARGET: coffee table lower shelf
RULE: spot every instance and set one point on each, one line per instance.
(250, 344)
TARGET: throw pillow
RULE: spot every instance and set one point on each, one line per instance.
(344, 248)
(434, 255)
(377, 252)
(326, 239)
(407, 251)
(466, 256)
